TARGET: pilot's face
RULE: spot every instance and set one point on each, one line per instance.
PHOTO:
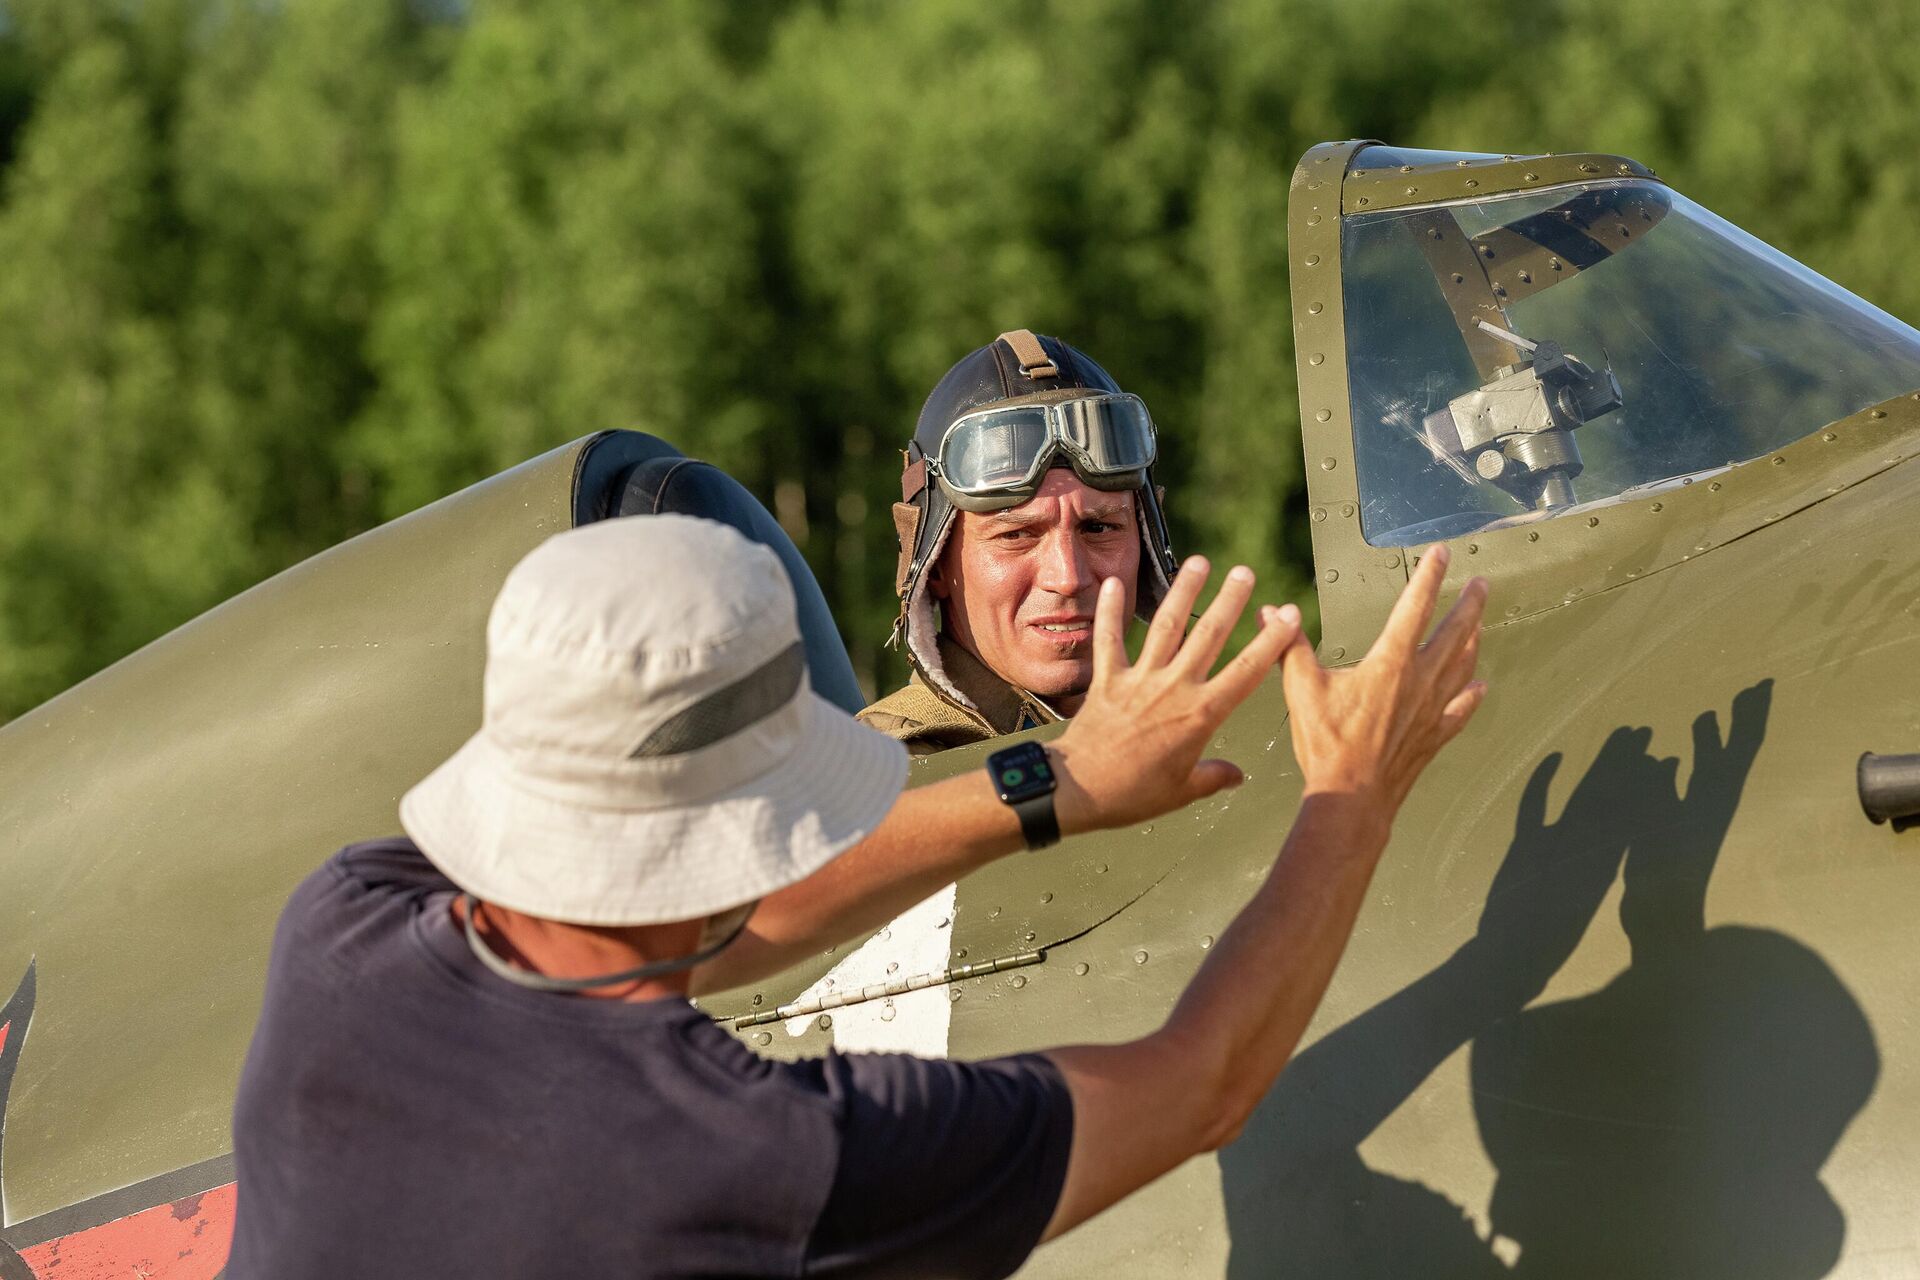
(1019, 585)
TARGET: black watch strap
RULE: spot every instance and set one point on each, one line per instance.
(1038, 822)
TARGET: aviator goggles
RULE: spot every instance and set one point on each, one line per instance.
(998, 457)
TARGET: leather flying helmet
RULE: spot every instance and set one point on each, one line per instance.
(993, 426)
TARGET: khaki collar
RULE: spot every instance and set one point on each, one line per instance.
(1005, 708)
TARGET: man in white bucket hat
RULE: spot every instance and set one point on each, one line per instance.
(476, 1056)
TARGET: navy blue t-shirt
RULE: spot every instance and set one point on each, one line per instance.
(403, 1112)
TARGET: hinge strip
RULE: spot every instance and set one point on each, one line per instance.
(881, 990)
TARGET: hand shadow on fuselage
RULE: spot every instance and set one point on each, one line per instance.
(1672, 1123)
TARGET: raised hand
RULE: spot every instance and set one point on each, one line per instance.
(1133, 751)
(1556, 874)
(1667, 870)
(1368, 730)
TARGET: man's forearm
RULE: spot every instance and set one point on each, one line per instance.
(1251, 1001)
(1201, 1074)
(931, 837)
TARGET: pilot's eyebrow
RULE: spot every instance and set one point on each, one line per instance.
(1111, 511)
(1016, 519)
(1013, 519)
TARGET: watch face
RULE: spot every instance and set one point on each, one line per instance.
(1022, 772)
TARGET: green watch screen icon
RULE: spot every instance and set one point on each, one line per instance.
(1013, 778)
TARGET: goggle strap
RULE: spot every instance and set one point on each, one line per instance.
(913, 479)
(906, 527)
(1033, 357)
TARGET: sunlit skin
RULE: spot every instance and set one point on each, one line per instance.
(1017, 587)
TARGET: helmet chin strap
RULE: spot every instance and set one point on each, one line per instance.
(1057, 713)
(542, 982)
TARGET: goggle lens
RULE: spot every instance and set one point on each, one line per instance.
(1111, 435)
(1004, 451)
(995, 450)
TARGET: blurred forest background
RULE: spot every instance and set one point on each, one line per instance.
(273, 271)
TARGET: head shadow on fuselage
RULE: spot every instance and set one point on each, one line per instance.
(1672, 1123)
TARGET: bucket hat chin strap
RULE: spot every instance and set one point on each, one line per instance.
(542, 982)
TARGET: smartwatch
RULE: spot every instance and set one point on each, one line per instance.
(1023, 777)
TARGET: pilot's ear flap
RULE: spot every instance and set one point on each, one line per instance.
(906, 525)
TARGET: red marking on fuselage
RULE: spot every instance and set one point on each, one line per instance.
(184, 1240)
(4, 1028)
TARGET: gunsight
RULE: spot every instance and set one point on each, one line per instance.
(1516, 430)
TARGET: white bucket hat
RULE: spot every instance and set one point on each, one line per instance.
(651, 750)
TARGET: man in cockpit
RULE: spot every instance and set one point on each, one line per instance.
(1028, 481)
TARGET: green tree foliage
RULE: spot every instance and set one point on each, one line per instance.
(282, 163)
(571, 244)
(187, 237)
(92, 382)
(274, 270)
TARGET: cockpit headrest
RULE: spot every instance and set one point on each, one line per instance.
(665, 481)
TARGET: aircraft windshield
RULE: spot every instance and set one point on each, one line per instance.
(1513, 358)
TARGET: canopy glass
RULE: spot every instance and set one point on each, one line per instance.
(1520, 357)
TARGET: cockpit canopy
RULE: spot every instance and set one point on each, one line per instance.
(1517, 356)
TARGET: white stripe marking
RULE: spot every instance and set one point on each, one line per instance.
(917, 1022)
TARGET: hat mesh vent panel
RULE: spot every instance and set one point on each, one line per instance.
(727, 711)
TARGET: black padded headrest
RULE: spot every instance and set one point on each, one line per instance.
(670, 483)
